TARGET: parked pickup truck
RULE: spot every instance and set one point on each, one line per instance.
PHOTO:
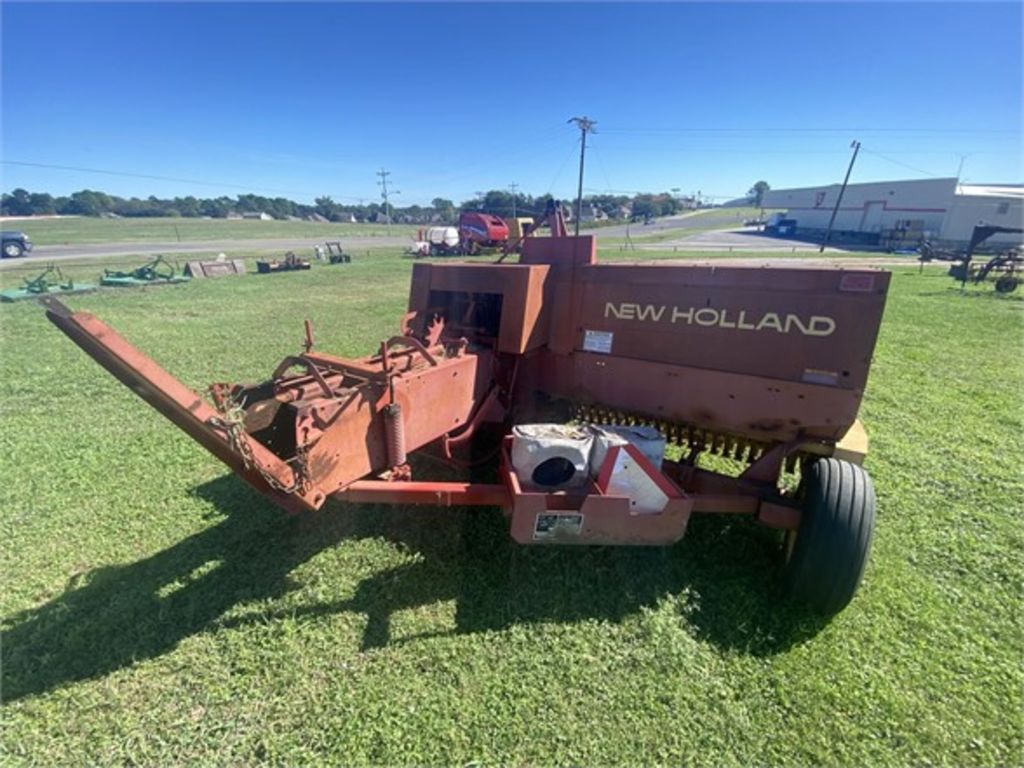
(15, 244)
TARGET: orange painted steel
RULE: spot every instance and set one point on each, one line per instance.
(765, 363)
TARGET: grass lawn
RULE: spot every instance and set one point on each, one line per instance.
(87, 229)
(90, 270)
(157, 611)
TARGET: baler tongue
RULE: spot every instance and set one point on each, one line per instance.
(223, 438)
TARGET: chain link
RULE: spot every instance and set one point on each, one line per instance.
(231, 420)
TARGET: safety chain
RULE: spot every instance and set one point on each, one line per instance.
(301, 469)
(231, 420)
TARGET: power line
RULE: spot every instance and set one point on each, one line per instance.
(691, 149)
(600, 165)
(558, 173)
(897, 162)
(156, 177)
(805, 129)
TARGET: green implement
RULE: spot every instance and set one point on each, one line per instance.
(156, 272)
(49, 282)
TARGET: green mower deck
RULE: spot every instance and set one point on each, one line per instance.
(20, 294)
(132, 282)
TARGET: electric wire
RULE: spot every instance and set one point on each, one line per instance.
(157, 177)
(897, 162)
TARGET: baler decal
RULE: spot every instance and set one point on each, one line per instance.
(815, 325)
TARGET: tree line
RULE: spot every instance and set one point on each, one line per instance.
(88, 202)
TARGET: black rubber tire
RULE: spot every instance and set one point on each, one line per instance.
(834, 538)
(13, 250)
(1007, 284)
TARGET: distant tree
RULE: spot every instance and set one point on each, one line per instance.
(645, 206)
(756, 193)
(472, 204)
(86, 202)
(498, 202)
(187, 206)
(444, 208)
(217, 208)
(42, 204)
(667, 204)
(610, 205)
(540, 204)
(326, 207)
(18, 203)
(89, 203)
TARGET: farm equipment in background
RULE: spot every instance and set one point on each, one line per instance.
(437, 241)
(476, 233)
(481, 231)
(1005, 267)
(335, 254)
(49, 282)
(762, 368)
(290, 263)
(519, 228)
(159, 271)
(467, 240)
(906, 236)
(222, 266)
(929, 252)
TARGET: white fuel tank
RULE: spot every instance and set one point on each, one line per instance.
(442, 236)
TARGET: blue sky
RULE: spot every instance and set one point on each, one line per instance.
(304, 100)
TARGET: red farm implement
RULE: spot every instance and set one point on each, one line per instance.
(764, 367)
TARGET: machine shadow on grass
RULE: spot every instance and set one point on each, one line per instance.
(974, 292)
(115, 616)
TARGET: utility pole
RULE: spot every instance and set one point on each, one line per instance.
(960, 168)
(513, 186)
(383, 183)
(839, 199)
(586, 125)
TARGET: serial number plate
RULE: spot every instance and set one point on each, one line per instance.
(598, 341)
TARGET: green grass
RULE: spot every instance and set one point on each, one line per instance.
(620, 253)
(86, 229)
(156, 611)
(90, 270)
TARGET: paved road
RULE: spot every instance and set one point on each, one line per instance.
(693, 236)
(49, 253)
(742, 239)
(883, 260)
(716, 217)
(57, 253)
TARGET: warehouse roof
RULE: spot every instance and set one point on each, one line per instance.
(991, 190)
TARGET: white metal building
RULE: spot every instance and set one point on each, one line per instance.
(938, 209)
